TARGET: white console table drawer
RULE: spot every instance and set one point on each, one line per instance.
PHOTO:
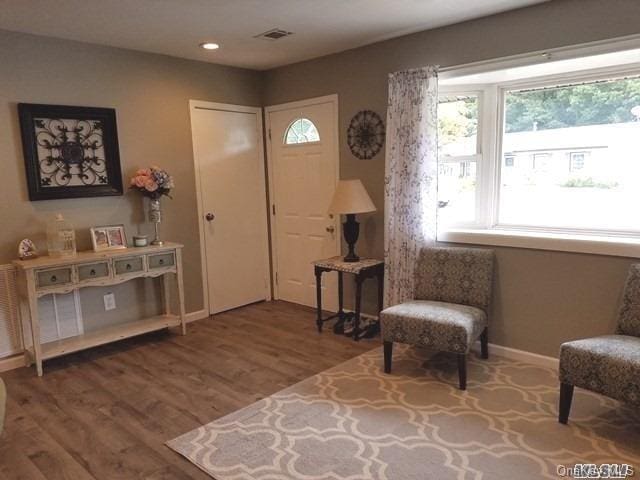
(92, 271)
(54, 277)
(161, 260)
(124, 266)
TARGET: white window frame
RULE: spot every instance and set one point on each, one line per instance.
(486, 229)
(484, 151)
(477, 157)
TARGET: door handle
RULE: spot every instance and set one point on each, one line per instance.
(209, 217)
(330, 229)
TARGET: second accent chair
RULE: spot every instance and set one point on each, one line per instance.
(450, 308)
(608, 364)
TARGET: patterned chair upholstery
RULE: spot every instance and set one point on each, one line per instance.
(450, 307)
(609, 364)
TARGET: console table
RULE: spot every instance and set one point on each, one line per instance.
(47, 275)
(362, 269)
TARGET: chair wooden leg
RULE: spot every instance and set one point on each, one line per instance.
(566, 395)
(462, 370)
(484, 343)
(388, 350)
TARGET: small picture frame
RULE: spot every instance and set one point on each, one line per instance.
(109, 237)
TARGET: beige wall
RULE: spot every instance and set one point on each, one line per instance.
(543, 298)
(150, 94)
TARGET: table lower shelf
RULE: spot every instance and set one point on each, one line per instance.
(107, 335)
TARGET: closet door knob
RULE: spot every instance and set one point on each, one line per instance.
(209, 217)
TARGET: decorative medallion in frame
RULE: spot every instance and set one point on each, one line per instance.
(70, 152)
(365, 135)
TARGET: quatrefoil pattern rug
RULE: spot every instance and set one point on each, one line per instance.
(353, 422)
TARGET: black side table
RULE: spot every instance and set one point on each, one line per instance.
(362, 269)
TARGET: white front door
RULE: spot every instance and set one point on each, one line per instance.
(303, 152)
(227, 145)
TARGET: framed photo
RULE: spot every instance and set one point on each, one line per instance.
(70, 152)
(110, 237)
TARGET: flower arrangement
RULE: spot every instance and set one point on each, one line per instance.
(152, 182)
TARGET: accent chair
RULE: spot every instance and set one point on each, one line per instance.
(608, 364)
(450, 309)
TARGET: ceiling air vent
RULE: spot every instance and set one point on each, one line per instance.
(274, 34)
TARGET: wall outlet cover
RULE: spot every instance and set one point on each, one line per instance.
(109, 302)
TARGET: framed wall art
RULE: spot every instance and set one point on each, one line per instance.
(70, 152)
(109, 237)
(365, 135)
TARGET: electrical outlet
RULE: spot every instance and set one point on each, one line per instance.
(109, 302)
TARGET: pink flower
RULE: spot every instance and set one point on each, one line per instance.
(141, 180)
(143, 171)
(150, 185)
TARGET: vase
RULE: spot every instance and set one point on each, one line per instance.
(155, 216)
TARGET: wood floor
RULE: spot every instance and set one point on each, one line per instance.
(106, 413)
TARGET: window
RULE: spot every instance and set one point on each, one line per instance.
(576, 161)
(594, 117)
(301, 130)
(562, 153)
(541, 162)
(458, 157)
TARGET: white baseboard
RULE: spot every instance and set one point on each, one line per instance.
(13, 362)
(521, 355)
(197, 315)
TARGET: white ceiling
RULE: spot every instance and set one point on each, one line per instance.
(176, 27)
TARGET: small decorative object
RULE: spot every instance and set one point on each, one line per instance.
(365, 135)
(153, 183)
(61, 237)
(70, 152)
(109, 237)
(349, 199)
(27, 250)
(140, 241)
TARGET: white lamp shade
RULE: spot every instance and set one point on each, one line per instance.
(351, 197)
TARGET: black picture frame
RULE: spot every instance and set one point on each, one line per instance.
(73, 141)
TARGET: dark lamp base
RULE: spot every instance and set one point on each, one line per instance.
(351, 230)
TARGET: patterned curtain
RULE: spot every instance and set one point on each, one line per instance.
(410, 206)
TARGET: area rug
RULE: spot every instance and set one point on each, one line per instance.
(353, 422)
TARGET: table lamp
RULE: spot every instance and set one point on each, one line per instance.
(349, 199)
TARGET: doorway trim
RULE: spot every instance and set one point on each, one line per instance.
(272, 194)
(224, 107)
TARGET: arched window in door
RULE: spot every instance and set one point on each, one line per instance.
(301, 130)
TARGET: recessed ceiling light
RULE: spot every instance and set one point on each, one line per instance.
(210, 46)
